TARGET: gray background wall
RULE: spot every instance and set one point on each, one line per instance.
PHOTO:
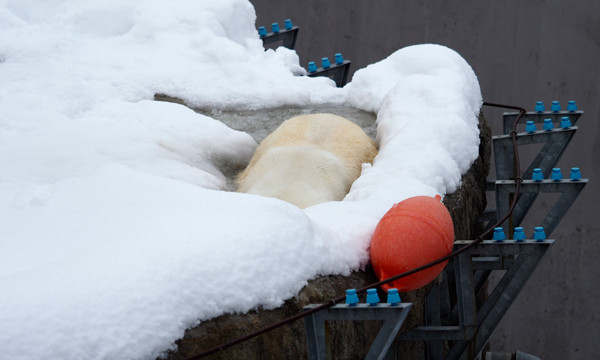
(522, 52)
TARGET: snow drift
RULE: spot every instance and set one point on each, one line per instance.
(116, 234)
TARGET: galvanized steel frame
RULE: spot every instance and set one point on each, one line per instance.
(556, 141)
(509, 118)
(287, 36)
(336, 72)
(393, 317)
(569, 190)
(459, 328)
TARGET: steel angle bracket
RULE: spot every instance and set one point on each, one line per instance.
(538, 118)
(336, 72)
(450, 310)
(288, 36)
(519, 259)
(569, 190)
(393, 317)
(556, 142)
(459, 328)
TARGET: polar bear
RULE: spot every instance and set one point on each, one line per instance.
(308, 159)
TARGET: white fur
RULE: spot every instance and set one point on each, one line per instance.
(308, 159)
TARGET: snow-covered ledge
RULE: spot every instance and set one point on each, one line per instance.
(350, 340)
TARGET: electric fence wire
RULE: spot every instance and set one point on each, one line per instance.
(342, 298)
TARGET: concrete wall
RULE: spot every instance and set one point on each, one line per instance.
(522, 52)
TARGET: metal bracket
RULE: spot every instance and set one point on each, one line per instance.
(569, 190)
(538, 118)
(288, 36)
(449, 318)
(336, 72)
(456, 327)
(556, 142)
(393, 317)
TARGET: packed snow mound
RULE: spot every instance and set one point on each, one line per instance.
(116, 233)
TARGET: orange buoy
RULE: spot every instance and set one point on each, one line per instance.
(414, 232)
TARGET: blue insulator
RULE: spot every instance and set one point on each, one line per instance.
(575, 174)
(555, 106)
(548, 124)
(537, 175)
(539, 233)
(572, 106)
(372, 297)
(339, 58)
(530, 127)
(393, 298)
(287, 23)
(325, 63)
(312, 67)
(565, 123)
(351, 297)
(519, 234)
(275, 27)
(539, 106)
(262, 31)
(556, 174)
(498, 234)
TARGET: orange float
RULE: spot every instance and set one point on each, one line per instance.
(414, 232)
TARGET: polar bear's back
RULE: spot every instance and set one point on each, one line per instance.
(303, 175)
(329, 132)
(308, 159)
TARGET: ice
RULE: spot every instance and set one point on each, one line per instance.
(117, 231)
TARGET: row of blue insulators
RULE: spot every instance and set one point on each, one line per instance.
(519, 234)
(565, 123)
(555, 107)
(287, 23)
(393, 297)
(325, 64)
(556, 175)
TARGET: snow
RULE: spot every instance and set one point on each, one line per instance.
(116, 234)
